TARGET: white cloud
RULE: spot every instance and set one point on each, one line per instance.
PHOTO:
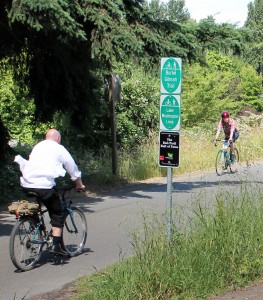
(231, 11)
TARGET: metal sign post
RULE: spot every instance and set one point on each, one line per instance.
(170, 123)
(169, 202)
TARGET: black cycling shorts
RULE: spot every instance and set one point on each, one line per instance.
(235, 136)
(51, 200)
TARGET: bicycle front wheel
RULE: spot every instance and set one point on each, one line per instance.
(235, 163)
(74, 233)
(24, 252)
(220, 163)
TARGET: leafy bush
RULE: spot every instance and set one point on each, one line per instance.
(9, 180)
(138, 111)
(17, 111)
(224, 84)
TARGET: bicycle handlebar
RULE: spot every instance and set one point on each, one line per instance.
(65, 186)
(224, 141)
(68, 187)
(221, 140)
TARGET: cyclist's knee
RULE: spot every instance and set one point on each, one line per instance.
(54, 223)
(57, 219)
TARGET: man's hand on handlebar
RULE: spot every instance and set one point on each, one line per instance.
(80, 187)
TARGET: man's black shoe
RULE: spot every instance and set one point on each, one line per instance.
(57, 250)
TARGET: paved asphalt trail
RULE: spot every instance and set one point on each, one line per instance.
(111, 217)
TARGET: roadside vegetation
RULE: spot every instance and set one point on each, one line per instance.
(197, 152)
(211, 252)
(203, 99)
(215, 247)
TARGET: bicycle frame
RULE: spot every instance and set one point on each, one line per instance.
(227, 154)
(33, 241)
(226, 146)
(226, 158)
(32, 229)
(66, 208)
(72, 220)
(41, 223)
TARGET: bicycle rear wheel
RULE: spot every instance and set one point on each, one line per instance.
(74, 233)
(235, 163)
(220, 163)
(23, 252)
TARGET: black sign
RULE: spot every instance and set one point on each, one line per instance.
(169, 149)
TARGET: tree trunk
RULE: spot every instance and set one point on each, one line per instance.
(4, 137)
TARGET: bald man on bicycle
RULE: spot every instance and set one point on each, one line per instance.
(230, 129)
(47, 161)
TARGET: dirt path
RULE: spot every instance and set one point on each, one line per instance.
(66, 293)
(253, 292)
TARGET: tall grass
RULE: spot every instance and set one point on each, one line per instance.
(213, 251)
(197, 152)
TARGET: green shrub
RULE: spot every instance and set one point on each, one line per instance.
(224, 84)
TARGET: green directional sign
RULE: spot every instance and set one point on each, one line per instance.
(170, 112)
(171, 75)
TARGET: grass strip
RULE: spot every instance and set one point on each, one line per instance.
(212, 252)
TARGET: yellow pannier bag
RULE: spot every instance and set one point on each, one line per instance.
(23, 207)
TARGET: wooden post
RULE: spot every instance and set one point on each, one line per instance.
(113, 137)
(112, 94)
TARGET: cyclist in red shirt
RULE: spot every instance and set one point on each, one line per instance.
(230, 129)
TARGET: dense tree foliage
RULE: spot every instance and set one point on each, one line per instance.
(138, 111)
(56, 47)
(58, 52)
(254, 18)
(224, 38)
(254, 46)
(224, 84)
(173, 10)
(17, 111)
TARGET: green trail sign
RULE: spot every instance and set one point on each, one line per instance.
(170, 112)
(171, 75)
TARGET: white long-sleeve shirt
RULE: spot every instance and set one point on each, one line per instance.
(47, 161)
